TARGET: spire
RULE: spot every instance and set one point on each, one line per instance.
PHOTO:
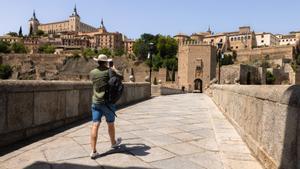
(102, 23)
(75, 11)
(34, 16)
(209, 29)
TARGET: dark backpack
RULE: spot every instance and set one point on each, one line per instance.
(114, 89)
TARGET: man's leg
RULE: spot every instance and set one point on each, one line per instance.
(94, 135)
(111, 132)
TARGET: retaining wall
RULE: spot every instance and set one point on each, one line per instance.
(267, 119)
(28, 108)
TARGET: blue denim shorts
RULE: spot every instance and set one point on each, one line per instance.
(99, 110)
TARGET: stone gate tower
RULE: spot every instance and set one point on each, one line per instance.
(196, 65)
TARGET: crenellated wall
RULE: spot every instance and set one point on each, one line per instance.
(28, 108)
(267, 118)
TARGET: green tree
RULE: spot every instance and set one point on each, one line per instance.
(88, 52)
(40, 33)
(18, 47)
(167, 47)
(105, 51)
(227, 60)
(270, 78)
(13, 34)
(4, 47)
(170, 63)
(5, 71)
(46, 48)
(141, 46)
(119, 52)
(20, 32)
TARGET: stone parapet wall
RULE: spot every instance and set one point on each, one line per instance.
(28, 108)
(267, 119)
(158, 90)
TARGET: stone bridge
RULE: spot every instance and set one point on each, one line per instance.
(237, 127)
(184, 131)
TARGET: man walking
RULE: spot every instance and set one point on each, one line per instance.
(100, 78)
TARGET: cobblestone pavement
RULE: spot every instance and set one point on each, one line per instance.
(169, 132)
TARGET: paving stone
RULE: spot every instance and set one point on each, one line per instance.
(238, 164)
(25, 159)
(184, 136)
(78, 163)
(153, 154)
(10, 155)
(168, 130)
(183, 148)
(208, 144)
(208, 160)
(121, 160)
(67, 152)
(176, 163)
(162, 140)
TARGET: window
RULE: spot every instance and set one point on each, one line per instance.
(239, 38)
(262, 41)
(231, 39)
(236, 47)
(262, 36)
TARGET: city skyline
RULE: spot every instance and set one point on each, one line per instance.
(133, 18)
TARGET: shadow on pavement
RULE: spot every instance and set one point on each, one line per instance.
(35, 138)
(45, 165)
(139, 150)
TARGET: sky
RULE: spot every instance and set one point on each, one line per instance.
(166, 17)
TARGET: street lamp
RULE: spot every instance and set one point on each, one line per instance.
(220, 45)
(151, 47)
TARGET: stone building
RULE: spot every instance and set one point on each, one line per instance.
(74, 33)
(73, 24)
(101, 38)
(196, 65)
(181, 37)
(244, 38)
(10, 39)
(128, 46)
(265, 39)
(289, 39)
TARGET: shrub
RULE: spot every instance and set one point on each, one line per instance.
(5, 71)
(4, 47)
(47, 48)
(227, 60)
(18, 48)
(270, 78)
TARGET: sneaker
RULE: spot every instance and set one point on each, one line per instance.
(118, 142)
(93, 155)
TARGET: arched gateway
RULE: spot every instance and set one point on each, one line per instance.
(198, 85)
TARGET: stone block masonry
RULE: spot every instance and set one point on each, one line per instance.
(267, 118)
(28, 108)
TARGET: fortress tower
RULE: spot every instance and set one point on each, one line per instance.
(33, 24)
(74, 21)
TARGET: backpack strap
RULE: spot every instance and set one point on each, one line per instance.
(110, 73)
